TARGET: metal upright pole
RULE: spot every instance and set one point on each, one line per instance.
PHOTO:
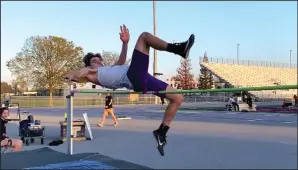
(155, 52)
(69, 122)
(154, 32)
(291, 58)
(238, 53)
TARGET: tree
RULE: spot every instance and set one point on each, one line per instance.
(44, 61)
(206, 78)
(184, 75)
(19, 85)
(6, 88)
(110, 58)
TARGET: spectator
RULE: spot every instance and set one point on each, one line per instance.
(15, 144)
(108, 110)
(234, 103)
(6, 100)
(249, 101)
(295, 100)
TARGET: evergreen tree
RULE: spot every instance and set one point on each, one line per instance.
(184, 75)
(206, 78)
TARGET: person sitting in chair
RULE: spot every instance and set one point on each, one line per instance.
(234, 103)
(15, 144)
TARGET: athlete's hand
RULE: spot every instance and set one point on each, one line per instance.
(70, 77)
(124, 34)
(77, 75)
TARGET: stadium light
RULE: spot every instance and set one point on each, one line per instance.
(238, 53)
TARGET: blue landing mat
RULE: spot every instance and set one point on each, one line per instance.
(76, 165)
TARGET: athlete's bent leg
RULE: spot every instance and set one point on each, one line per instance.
(142, 81)
(147, 40)
(154, 84)
(160, 133)
(175, 102)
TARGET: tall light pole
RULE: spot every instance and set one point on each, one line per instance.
(290, 58)
(238, 53)
(154, 32)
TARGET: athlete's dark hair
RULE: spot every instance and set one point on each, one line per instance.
(2, 110)
(88, 57)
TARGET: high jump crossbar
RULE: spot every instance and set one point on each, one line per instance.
(281, 87)
(72, 92)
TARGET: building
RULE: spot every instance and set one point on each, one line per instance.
(176, 84)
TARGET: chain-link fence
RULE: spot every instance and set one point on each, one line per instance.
(43, 101)
(122, 99)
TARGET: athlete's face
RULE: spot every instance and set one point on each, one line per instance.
(95, 62)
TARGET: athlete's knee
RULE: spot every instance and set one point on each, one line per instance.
(141, 44)
(180, 98)
(143, 36)
(177, 98)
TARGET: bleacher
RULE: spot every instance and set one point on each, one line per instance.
(255, 75)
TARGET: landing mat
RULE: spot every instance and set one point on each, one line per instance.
(46, 158)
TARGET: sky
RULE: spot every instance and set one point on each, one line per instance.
(266, 31)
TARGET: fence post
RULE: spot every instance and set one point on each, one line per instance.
(34, 102)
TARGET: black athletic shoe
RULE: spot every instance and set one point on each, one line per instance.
(161, 141)
(184, 47)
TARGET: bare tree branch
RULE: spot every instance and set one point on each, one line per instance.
(110, 58)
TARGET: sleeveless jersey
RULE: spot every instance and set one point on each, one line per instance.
(114, 77)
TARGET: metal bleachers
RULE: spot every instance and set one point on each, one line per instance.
(239, 75)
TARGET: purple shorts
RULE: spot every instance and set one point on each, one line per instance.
(138, 75)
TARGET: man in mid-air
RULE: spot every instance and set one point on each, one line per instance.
(135, 76)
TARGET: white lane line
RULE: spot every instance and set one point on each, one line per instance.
(284, 115)
(259, 119)
(232, 113)
(251, 120)
(287, 143)
(288, 122)
(55, 110)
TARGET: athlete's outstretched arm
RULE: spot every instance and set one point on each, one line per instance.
(124, 36)
(80, 74)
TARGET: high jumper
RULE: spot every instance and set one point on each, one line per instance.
(135, 76)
